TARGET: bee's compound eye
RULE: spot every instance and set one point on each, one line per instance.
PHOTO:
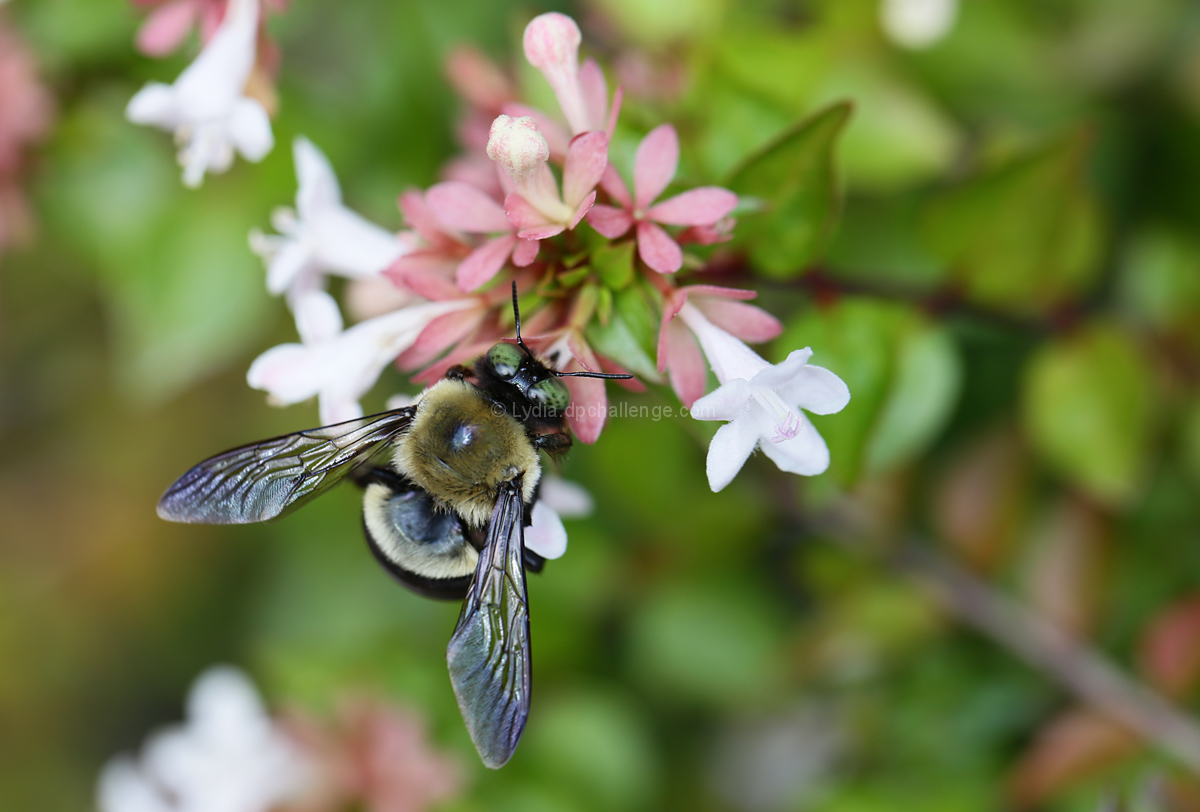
(505, 360)
(551, 393)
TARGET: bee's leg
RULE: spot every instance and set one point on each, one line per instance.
(551, 443)
(457, 372)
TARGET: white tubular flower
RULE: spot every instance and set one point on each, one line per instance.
(206, 107)
(762, 404)
(321, 234)
(340, 366)
(557, 499)
(228, 757)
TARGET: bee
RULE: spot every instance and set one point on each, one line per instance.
(445, 515)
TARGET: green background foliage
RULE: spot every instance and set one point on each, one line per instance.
(992, 241)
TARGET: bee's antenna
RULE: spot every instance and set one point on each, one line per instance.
(610, 375)
(521, 344)
(517, 317)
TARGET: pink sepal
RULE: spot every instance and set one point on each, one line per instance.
(611, 125)
(612, 183)
(430, 286)
(426, 260)
(422, 220)
(684, 361)
(589, 401)
(594, 90)
(654, 164)
(521, 212)
(484, 262)
(747, 322)
(166, 28)
(719, 292)
(657, 249)
(587, 160)
(609, 220)
(525, 253)
(695, 207)
(541, 232)
(581, 210)
(462, 207)
(438, 336)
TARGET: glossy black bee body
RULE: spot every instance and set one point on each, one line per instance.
(445, 515)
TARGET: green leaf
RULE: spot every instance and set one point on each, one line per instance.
(631, 335)
(1025, 235)
(924, 390)
(1088, 408)
(706, 642)
(903, 372)
(1160, 278)
(614, 264)
(794, 177)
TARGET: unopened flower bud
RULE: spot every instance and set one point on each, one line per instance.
(552, 42)
(518, 145)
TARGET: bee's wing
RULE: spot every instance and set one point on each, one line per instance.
(256, 482)
(489, 651)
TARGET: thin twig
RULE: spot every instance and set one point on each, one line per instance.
(1091, 677)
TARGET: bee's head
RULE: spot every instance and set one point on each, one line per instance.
(539, 384)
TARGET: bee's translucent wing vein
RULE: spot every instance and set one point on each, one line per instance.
(261, 481)
(489, 653)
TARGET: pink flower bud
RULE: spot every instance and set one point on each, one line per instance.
(518, 145)
(552, 46)
(552, 42)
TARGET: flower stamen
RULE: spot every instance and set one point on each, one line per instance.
(787, 424)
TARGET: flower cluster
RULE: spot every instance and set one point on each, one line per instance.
(232, 756)
(533, 198)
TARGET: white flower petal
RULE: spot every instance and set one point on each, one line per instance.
(804, 454)
(154, 104)
(317, 317)
(337, 408)
(728, 356)
(318, 183)
(210, 86)
(353, 246)
(250, 130)
(730, 448)
(289, 373)
(799, 383)
(568, 499)
(546, 536)
(124, 788)
(289, 260)
(726, 402)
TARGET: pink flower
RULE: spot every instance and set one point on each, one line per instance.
(171, 21)
(465, 208)
(374, 756)
(678, 352)
(654, 166)
(535, 207)
(552, 46)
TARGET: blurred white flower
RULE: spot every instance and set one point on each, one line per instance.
(228, 757)
(917, 24)
(338, 365)
(321, 234)
(207, 108)
(557, 499)
(762, 404)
